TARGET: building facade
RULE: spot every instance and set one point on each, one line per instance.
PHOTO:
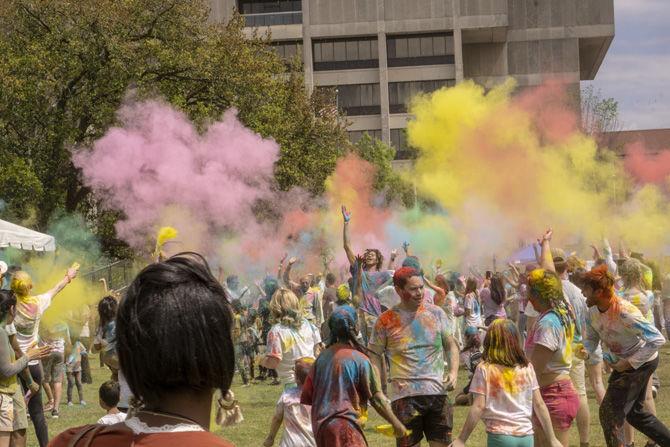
(377, 54)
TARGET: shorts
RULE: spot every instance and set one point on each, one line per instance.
(20, 412)
(498, 440)
(54, 367)
(340, 432)
(578, 375)
(562, 402)
(432, 416)
(6, 413)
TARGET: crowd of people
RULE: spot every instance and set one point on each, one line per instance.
(338, 341)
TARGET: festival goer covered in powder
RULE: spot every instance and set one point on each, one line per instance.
(341, 384)
(171, 313)
(506, 393)
(630, 346)
(105, 339)
(471, 305)
(373, 278)
(292, 337)
(549, 345)
(29, 311)
(269, 286)
(417, 339)
(493, 299)
(58, 337)
(13, 420)
(294, 415)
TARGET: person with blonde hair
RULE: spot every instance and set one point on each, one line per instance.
(292, 337)
(29, 311)
(549, 345)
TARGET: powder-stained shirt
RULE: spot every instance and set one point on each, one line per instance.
(340, 385)
(578, 302)
(490, 307)
(624, 332)
(27, 320)
(549, 332)
(644, 301)
(288, 344)
(370, 283)
(415, 342)
(297, 421)
(471, 303)
(509, 397)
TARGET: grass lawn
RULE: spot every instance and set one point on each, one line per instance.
(258, 403)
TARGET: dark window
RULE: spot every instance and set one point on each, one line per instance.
(356, 135)
(399, 142)
(344, 54)
(420, 49)
(271, 12)
(400, 93)
(288, 50)
(357, 99)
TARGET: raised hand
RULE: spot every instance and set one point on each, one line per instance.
(346, 214)
(292, 261)
(405, 246)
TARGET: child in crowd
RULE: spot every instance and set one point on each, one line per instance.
(74, 371)
(296, 418)
(105, 340)
(109, 398)
(471, 356)
(340, 385)
(506, 393)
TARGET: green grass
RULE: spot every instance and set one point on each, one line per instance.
(258, 403)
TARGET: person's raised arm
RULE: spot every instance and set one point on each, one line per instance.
(596, 252)
(405, 247)
(287, 275)
(357, 293)
(392, 258)
(281, 267)
(474, 415)
(546, 260)
(261, 291)
(440, 294)
(346, 215)
(69, 276)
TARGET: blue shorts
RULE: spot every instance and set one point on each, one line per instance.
(496, 440)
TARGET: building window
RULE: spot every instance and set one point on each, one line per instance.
(345, 54)
(399, 141)
(357, 99)
(271, 12)
(420, 49)
(356, 135)
(401, 93)
(288, 50)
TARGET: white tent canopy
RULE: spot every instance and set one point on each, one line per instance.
(12, 235)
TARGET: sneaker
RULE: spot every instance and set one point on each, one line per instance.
(54, 414)
(82, 403)
(69, 404)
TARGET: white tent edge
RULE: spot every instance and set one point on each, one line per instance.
(13, 235)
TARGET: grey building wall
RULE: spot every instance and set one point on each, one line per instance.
(488, 41)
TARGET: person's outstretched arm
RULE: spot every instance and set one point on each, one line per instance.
(287, 275)
(392, 257)
(382, 405)
(69, 276)
(346, 215)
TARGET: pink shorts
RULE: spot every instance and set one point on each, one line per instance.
(562, 402)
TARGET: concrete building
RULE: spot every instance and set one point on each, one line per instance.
(378, 53)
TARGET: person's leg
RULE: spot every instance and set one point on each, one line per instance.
(36, 409)
(439, 421)
(4, 438)
(80, 388)
(18, 438)
(57, 371)
(577, 375)
(409, 411)
(638, 415)
(70, 386)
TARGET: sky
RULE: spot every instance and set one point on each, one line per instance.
(636, 69)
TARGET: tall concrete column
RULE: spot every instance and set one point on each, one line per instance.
(383, 73)
(458, 39)
(307, 54)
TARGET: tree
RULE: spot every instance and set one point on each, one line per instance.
(67, 65)
(387, 180)
(600, 116)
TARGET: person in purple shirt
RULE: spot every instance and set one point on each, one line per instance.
(341, 384)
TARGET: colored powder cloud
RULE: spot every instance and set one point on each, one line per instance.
(159, 170)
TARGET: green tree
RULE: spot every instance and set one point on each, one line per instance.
(67, 65)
